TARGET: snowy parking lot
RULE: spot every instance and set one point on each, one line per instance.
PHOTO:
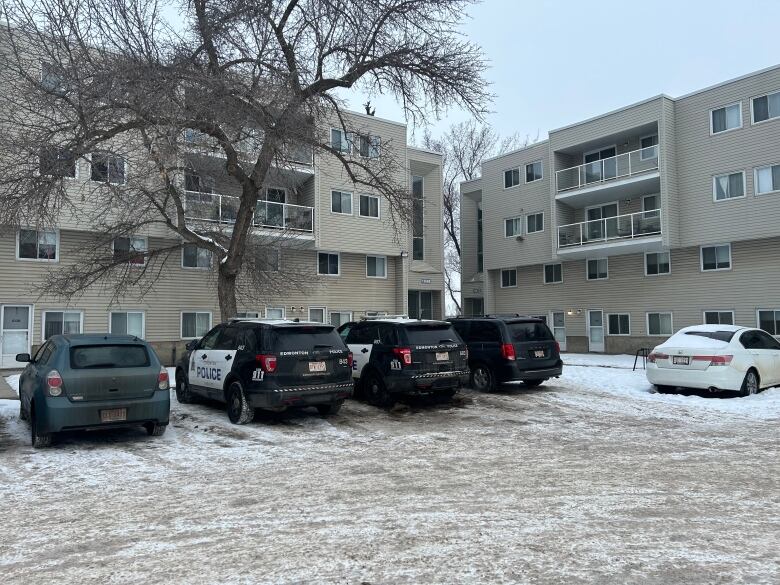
(590, 478)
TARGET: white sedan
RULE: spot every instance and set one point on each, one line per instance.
(716, 357)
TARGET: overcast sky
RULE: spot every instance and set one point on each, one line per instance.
(558, 62)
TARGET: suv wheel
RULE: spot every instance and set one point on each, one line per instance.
(154, 429)
(329, 409)
(483, 379)
(376, 393)
(183, 392)
(238, 408)
(39, 440)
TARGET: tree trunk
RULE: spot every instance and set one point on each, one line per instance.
(226, 292)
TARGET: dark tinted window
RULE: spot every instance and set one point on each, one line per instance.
(462, 327)
(719, 335)
(109, 356)
(364, 334)
(767, 341)
(484, 332)
(248, 339)
(387, 334)
(521, 332)
(228, 340)
(209, 340)
(430, 334)
(44, 354)
(304, 338)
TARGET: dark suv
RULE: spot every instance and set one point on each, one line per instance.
(506, 349)
(397, 355)
(268, 364)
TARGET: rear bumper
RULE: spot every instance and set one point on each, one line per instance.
(427, 382)
(720, 378)
(300, 396)
(515, 372)
(60, 414)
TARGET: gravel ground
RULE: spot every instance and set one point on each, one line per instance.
(590, 478)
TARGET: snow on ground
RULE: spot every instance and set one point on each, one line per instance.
(13, 382)
(590, 478)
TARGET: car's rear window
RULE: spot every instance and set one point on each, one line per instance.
(430, 334)
(109, 356)
(719, 335)
(530, 331)
(305, 338)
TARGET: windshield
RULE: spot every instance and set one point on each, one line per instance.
(306, 338)
(531, 331)
(109, 356)
(431, 334)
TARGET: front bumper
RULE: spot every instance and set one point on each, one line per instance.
(719, 377)
(515, 372)
(427, 382)
(281, 396)
(60, 414)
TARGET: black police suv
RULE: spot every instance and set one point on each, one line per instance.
(268, 364)
(397, 355)
(506, 349)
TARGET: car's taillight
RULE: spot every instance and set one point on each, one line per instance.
(404, 354)
(54, 383)
(715, 360)
(163, 381)
(557, 347)
(350, 359)
(267, 363)
(656, 356)
(508, 351)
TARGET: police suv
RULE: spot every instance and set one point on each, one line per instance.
(395, 355)
(269, 364)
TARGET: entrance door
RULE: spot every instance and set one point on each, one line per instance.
(420, 304)
(602, 222)
(595, 330)
(600, 165)
(15, 328)
(558, 319)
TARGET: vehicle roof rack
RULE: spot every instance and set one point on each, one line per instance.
(375, 317)
(503, 315)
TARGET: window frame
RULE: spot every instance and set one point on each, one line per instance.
(513, 219)
(211, 259)
(421, 200)
(776, 319)
(728, 174)
(512, 170)
(317, 263)
(331, 313)
(351, 202)
(701, 258)
(196, 313)
(609, 325)
(126, 312)
(671, 323)
(541, 167)
(108, 178)
(345, 140)
(132, 237)
(19, 231)
(642, 156)
(525, 223)
(725, 107)
(267, 308)
(322, 308)
(76, 172)
(755, 179)
(669, 253)
(752, 111)
(718, 311)
(385, 264)
(63, 311)
(501, 276)
(587, 274)
(378, 206)
(544, 273)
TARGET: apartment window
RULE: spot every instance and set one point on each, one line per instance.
(276, 195)
(317, 314)
(418, 219)
(769, 320)
(198, 183)
(650, 206)
(480, 244)
(533, 172)
(274, 312)
(657, 263)
(513, 227)
(37, 245)
(598, 269)
(647, 146)
(131, 250)
(659, 323)
(338, 318)
(127, 323)
(619, 324)
(553, 273)
(52, 79)
(369, 206)
(368, 146)
(767, 179)
(328, 264)
(339, 140)
(269, 259)
(341, 202)
(716, 257)
(57, 162)
(194, 257)
(509, 278)
(534, 223)
(726, 118)
(108, 168)
(511, 178)
(729, 186)
(195, 324)
(718, 317)
(61, 323)
(766, 107)
(248, 315)
(376, 267)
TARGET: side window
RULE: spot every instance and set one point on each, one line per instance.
(37, 355)
(248, 339)
(228, 340)
(45, 354)
(462, 327)
(387, 335)
(750, 340)
(766, 340)
(484, 332)
(366, 334)
(354, 334)
(209, 340)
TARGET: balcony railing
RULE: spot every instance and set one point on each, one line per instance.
(621, 227)
(248, 148)
(268, 214)
(622, 166)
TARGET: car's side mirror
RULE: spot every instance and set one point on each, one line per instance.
(192, 344)
(23, 357)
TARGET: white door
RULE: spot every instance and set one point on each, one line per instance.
(558, 320)
(361, 344)
(15, 328)
(595, 330)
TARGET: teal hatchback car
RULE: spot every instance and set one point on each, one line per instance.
(76, 382)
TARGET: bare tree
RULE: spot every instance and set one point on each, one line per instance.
(251, 82)
(463, 146)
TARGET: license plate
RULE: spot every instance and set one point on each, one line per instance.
(681, 360)
(113, 415)
(442, 356)
(316, 366)
(539, 353)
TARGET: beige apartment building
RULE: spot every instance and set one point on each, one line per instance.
(336, 237)
(628, 226)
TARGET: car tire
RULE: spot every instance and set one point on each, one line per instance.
(330, 409)
(533, 383)
(376, 393)
(483, 379)
(39, 440)
(22, 412)
(239, 411)
(183, 391)
(155, 429)
(751, 384)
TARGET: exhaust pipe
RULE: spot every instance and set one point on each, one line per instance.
(713, 389)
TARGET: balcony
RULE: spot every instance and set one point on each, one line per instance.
(619, 177)
(295, 220)
(299, 156)
(622, 234)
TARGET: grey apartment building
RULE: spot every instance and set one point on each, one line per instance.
(623, 228)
